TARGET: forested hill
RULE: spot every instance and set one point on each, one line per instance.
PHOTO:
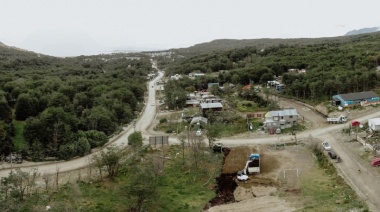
(63, 107)
(228, 44)
(10, 52)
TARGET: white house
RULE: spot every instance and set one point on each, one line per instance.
(374, 124)
(280, 119)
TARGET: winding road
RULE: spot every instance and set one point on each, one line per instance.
(366, 184)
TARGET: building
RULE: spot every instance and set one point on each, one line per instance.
(216, 106)
(355, 99)
(209, 85)
(192, 103)
(280, 119)
(374, 124)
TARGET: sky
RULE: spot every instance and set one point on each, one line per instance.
(83, 27)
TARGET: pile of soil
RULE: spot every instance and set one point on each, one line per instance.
(237, 158)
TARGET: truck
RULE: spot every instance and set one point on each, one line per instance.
(252, 166)
(218, 148)
(337, 119)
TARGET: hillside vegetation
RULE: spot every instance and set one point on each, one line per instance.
(333, 65)
(66, 106)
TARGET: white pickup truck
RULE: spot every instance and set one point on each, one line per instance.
(337, 120)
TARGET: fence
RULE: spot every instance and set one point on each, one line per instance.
(365, 144)
(160, 140)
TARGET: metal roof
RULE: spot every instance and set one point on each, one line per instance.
(358, 96)
(198, 119)
(192, 102)
(211, 105)
(375, 121)
(286, 112)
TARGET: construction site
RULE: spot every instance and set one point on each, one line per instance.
(280, 170)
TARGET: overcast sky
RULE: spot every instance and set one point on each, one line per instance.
(75, 27)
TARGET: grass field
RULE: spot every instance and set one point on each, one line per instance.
(18, 139)
(179, 188)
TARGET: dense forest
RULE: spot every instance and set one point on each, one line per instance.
(335, 65)
(65, 106)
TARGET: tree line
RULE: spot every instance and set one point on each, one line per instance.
(340, 65)
(68, 105)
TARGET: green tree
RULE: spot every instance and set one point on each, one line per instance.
(67, 151)
(95, 138)
(101, 119)
(83, 146)
(109, 158)
(5, 110)
(213, 132)
(135, 140)
(23, 182)
(141, 189)
(26, 106)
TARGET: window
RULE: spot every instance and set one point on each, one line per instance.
(290, 117)
(282, 117)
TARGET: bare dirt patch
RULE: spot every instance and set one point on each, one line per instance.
(261, 190)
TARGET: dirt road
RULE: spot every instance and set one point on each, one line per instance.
(363, 178)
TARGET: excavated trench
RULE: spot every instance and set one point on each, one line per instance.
(225, 188)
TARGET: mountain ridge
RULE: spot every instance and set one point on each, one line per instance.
(363, 31)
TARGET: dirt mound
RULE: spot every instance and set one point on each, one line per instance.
(268, 163)
(237, 158)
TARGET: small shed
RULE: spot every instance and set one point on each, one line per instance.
(374, 124)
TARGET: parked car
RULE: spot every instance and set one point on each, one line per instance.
(332, 154)
(217, 147)
(326, 146)
(13, 158)
(241, 176)
(376, 162)
(199, 132)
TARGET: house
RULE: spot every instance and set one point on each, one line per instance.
(192, 103)
(355, 99)
(176, 77)
(280, 119)
(209, 85)
(196, 75)
(374, 124)
(297, 71)
(216, 106)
